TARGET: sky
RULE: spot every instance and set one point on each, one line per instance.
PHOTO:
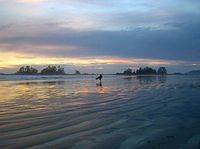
(100, 36)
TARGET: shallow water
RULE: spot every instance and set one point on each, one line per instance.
(143, 112)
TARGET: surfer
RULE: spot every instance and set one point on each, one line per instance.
(99, 77)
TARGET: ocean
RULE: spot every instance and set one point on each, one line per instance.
(79, 112)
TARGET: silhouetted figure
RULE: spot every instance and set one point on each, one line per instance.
(99, 77)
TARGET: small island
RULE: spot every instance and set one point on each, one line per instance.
(50, 70)
(144, 71)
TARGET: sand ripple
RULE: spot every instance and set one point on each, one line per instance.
(126, 112)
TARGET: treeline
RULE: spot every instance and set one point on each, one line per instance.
(53, 70)
(50, 70)
(145, 71)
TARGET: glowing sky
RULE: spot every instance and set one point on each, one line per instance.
(100, 35)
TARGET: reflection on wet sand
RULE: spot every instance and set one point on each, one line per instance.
(162, 79)
(102, 89)
(152, 78)
(121, 112)
(99, 84)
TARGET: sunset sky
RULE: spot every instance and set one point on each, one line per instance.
(100, 36)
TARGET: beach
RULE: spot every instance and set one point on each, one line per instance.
(124, 112)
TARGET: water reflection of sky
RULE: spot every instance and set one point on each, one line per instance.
(65, 88)
(123, 109)
(64, 92)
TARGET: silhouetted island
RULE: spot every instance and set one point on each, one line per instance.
(28, 70)
(53, 70)
(145, 71)
(50, 70)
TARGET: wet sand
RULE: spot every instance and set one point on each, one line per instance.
(150, 112)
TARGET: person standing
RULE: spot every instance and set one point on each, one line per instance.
(99, 77)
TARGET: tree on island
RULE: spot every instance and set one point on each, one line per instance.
(141, 71)
(27, 71)
(53, 70)
(162, 71)
(146, 70)
(61, 70)
(128, 72)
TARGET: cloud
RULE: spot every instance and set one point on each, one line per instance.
(140, 29)
(181, 42)
(11, 60)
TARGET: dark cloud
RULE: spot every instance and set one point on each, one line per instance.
(179, 43)
(127, 29)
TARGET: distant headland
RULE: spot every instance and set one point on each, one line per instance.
(194, 72)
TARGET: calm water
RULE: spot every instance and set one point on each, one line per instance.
(76, 112)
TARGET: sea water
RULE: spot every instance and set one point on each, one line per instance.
(124, 112)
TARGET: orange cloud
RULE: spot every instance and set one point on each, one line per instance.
(14, 59)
